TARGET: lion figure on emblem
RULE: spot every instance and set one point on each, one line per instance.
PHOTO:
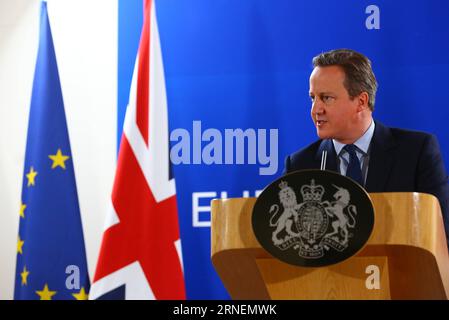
(285, 221)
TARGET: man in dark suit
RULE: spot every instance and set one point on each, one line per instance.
(382, 159)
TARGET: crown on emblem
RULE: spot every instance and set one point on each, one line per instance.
(312, 192)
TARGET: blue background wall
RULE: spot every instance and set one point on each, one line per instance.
(246, 64)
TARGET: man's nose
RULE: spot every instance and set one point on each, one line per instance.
(317, 107)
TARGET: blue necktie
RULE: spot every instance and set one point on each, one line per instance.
(354, 171)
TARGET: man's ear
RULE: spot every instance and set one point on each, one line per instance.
(362, 100)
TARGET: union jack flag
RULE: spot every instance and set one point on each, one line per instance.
(140, 255)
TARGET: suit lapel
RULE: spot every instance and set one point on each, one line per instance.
(381, 159)
(331, 160)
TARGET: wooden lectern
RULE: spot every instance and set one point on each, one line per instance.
(406, 256)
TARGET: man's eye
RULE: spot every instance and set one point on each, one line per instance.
(312, 98)
(327, 98)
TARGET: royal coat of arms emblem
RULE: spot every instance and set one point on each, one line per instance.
(315, 223)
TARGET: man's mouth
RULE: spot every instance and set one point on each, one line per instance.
(319, 123)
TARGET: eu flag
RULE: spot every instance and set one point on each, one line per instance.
(51, 258)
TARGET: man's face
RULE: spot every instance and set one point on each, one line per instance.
(333, 111)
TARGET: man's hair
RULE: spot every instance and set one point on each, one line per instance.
(359, 76)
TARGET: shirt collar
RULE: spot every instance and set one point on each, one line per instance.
(362, 143)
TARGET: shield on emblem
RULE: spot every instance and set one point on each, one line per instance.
(313, 218)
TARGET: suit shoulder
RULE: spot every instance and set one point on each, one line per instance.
(412, 144)
(411, 134)
(306, 152)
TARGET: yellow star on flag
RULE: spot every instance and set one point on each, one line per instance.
(22, 210)
(82, 295)
(30, 176)
(20, 245)
(58, 159)
(24, 274)
(45, 294)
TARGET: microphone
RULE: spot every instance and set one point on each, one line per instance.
(323, 160)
